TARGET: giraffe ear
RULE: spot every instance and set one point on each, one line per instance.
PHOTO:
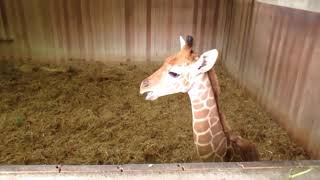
(182, 42)
(206, 61)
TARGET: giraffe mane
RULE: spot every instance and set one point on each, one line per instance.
(216, 92)
(246, 149)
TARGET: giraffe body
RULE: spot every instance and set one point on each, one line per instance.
(187, 73)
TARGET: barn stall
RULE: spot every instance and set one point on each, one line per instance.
(71, 70)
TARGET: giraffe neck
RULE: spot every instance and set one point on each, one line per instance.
(208, 134)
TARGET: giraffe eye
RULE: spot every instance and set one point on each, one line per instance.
(173, 74)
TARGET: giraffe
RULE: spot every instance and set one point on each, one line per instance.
(186, 72)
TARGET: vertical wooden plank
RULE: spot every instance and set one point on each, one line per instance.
(159, 23)
(70, 48)
(119, 29)
(20, 30)
(115, 38)
(134, 28)
(182, 22)
(4, 20)
(61, 30)
(80, 28)
(5, 47)
(56, 30)
(74, 20)
(135, 23)
(169, 25)
(29, 26)
(195, 18)
(203, 25)
(42, 35)
(100, 32)
(47, 30)
(89, 29)
(92, 10)
(228, 24)
(106, 19)
(2, 27)
(85, 29)
(215, 23)
(148, 29)
(209, 26)
(222, 16)
(128, 28)
(249, 28)
(52, 24)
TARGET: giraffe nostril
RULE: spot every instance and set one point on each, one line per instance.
(145, 83)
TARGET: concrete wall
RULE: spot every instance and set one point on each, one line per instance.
(251, 170)
(271, 50)
(274, 52)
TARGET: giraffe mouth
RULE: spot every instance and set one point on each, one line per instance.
(150, 95)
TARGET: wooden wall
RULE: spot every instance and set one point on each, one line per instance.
(104, 30)
(274, 52)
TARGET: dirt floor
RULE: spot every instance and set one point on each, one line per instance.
(91, 113)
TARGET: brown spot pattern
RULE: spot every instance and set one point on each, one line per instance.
(213, 120)
(210, 102)
(197, 106)
(196, 101)
(223, 148)
(217, 139)
(201, 126)
(204, 150)
(213, 113)
(204, 95)
(201, 114)
(205, 138)
(216, 129)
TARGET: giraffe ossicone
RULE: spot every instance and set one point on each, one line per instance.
(186, 72)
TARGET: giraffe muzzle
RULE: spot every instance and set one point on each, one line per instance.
(149, 95)
(146, 90)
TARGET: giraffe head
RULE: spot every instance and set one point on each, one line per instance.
(179, 71)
